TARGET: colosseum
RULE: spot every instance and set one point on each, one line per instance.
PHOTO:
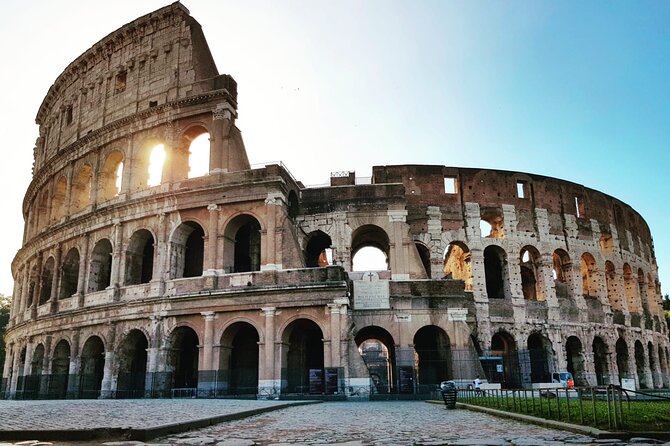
(142, 276)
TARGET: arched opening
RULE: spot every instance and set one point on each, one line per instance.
(612, 290)
(575, 356)
(302, 361)
(424, 255)
(238, 360)
(377, 348)
(42, 211)
(69, 274)
(32, 287)
(457, 264)
(190, 158)
(642, 289)
(131, 359)
(606, 243)
(531, 280)
(541, 358)
(81, 189)
(622, 359)
(503, 352)
(47, 280)
(293, 205)
(100, 272)
(496, 272)
(370, 249)
(639, 365)
(318, 252)
(60, 365)
(92, 368)
(662, 361)
(187, 249)
(630, 289)
(601, 361)
(432, 358)
(562, 273)
(140, 258)
(652, 366)
(242, 245)
(589, 279)
(651, 293)
(491, 224)
(111, 176)
(33, 383)
(155, 165)
(198, 160)
(183, 360)
(58, 200)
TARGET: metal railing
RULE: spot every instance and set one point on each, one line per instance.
(602, 406)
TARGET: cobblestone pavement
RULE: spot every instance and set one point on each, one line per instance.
(91, 414)
(342, 424)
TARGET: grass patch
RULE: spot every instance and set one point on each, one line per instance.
(636, 415)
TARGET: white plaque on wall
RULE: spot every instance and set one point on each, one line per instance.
(457, 314)
(370, 293)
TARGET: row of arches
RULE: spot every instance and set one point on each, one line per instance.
(97, 181)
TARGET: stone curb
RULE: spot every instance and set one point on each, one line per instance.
(576, 428)
(139, 434)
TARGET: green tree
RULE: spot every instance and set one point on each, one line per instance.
(5, 302)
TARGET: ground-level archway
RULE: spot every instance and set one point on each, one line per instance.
(238, 360)
(575, 356)
(540, 355)
(503, 353)
(432, 357)
(60, 366)
(601, 361)
(131, 358)
(183, 361)
(302, 358)
(91, 368)
(377, 349)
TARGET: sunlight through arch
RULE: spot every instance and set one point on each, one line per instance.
(156, 160)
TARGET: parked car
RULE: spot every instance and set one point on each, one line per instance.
(564, 378)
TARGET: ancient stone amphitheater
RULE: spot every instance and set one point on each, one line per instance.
(141, 277)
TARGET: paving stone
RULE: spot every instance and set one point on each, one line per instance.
(196, 441)
(644, 440)
(480, 442)
(124, 443)
(236, 442)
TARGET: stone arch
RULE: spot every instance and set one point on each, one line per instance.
(531, 278)
(242, 244)
(80, 194)
(69, 274)
(541, 356)
(496, 272)
(239, 359)
(131, 364)
(91, 368)
(140, 258)
(424, 255)
(373, 239)
(652, 366)
(42, 211)
(100, 270)
(491, 223)
(504, 346)
(33, 385)
(48, 271)
(589, 276)
(183, 356)
(458, 263)
(316, 250)
(601, 361)
(574, 353)
(377, 349)
(192, 153)
(303, 341)
(622, 359)
(58, 199)
(142, 163)
(562, 272)
(432, 349)
(60, 366)
(640, 365)
(111, 176)
(187, 250)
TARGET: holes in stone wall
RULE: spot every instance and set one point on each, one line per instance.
(589, 279)
(120, 82)
(613, 295)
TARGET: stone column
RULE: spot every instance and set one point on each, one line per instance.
(7, 370)
(115, 276)
(25, 292)
(161, 255)
(268, 382)
(335, 332)
(269, 261)
(38, 288)
(398, 251)
(16, 371)
(106, 389)
(208, 341)
(83, 264)
(211, 245)
(55, 280)
(74, 368)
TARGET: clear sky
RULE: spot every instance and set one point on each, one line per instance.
(578, 90)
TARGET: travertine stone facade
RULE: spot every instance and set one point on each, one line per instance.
(241, 281)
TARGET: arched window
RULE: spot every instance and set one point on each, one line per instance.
(318, 252)
(491, 224)
(187, 250)
(100, 272)
(630, 289)
(111, 176)
(47, 280)
(496, 272)
(155, 167)
(370, 249)
(531, 280)
(198, 160)
(190, 158)
(457, 264)
(242, 249)
(589, 280)
(140, 258)
(81, 189)
(43, 211)
(424, 255)
(58, 200)
(70, 274)
(612, 290)
(562, 272)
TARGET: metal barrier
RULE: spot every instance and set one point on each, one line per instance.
(603, 406)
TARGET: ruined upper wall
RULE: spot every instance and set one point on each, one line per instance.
(156, 59)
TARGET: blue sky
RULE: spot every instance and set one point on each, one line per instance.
(574, 90)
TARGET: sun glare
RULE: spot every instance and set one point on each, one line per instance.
(156, 165)
(198, 161)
